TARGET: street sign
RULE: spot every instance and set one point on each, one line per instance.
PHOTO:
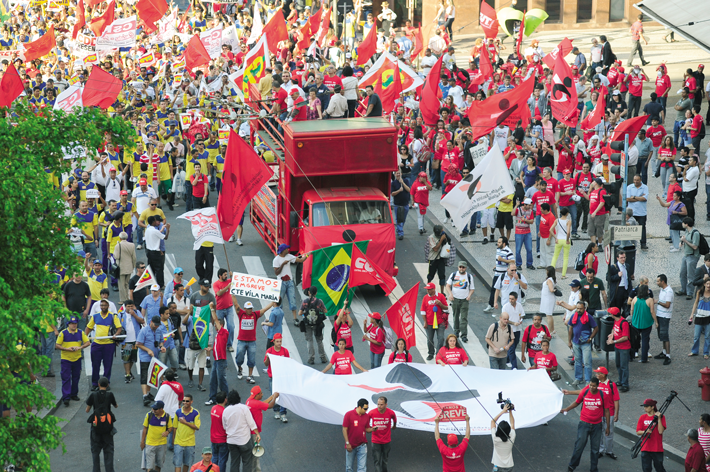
(626, 233)
(607, 253)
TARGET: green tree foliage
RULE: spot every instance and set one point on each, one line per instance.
(33, 241)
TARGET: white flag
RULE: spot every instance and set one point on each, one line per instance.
(257, 25)
(69, 99)
(212, 40)
(119, 34)
(205, 226)
(487, 183)
(147, 279)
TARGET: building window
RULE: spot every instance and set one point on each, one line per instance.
(554, 11)
(584, 10)
(617, 10)
(521, 5)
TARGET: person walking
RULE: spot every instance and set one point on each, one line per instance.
(652, 448)
(102, 350)
(246, 339)
(460, 288)
(637, 197)
(611, 390)
(643, 318)
(218, 374)
(218, 436)
(125, 255)
(533, 336)
(523, 237)
(434, 309)
(620, 338)
(691, 254)
(171, 394)
(503, 434)
(206, 464)
(276, 350)
(664, 312)
(700, 314)
(102, 428)
(225, 304)
(582, 328)
(154, 437)
(257, 406)
(435, 256)
(546, 226)
(382, 421)
(401, 194)
(313, 316)
(595, 408)
(282, 268)
(70, 342)
(511, 281)
(637, 36)
(453, 452)
(562, 232)
(504, 259)
(241, 430)
(185, 424)
(619, 278)
(548, 299)
(355, 426)
(499, 338)
(150, 343)
(516, 313)
(156, 256)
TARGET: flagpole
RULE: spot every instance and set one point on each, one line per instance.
(226, 256)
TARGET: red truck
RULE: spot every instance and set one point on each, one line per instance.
(333, 187)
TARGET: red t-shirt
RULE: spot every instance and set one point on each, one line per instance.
(546, 222)
(539, 198)
(613, 76)
(595, 199)
(420, 193)
(217, 433)
(281, 97)
(552, 184)
(344, 331)
(692, 85)
(695, 458)
(654, 443)
(452, 456)
(636, 84)
(663, 85)
(667, 153)
(382, 424)
(224, 301)
(564, 160)
(621, 329)
(428, 307)
(198, 185)
(592, 408)
(399, 357)
(281, 352)
(342, 362)
(220, 344)
(376, 334)
(673, 188)
(543, 361)
(697, 124)
(455, 356)
(257, 407)
(356, 425)
(247, 325)
(584, 181)
(302, 113)
(533, 337)
(607, 388)
(656, 134)
(331, 82)
(565, 185)
(450, 157)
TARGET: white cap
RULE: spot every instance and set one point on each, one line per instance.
(155, 288)
(248, 305)
(527, 201)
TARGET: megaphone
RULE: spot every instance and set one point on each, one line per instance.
(258, 450)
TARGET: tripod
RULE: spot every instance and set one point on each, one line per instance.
(649, 429)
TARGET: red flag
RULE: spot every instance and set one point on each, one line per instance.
(507, 108)
(418, 43)
(367, 47)
(429, 104)
(324, 25)
(275, 30)
(631, 127)
(80, 19)
(365, 272)
(195, 53)
(244, 175)
(484, 63)
(11, 86)
(151, 11)
(314, 22)
(488, 20)
(401, 316)
(183, 19)
(595, 117)
(565, 47)
(41, 47)
(519, 41)
(563, 96)
(305, 38)
(101, 89)
(389, 88)
(99, 24)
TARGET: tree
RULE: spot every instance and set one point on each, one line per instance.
(33, 242)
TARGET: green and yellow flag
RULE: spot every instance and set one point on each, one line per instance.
(330, 272)
(201, 324)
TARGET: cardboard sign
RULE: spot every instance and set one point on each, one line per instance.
(253, 286)
(453, 413)
(478, 153)
(156, 369)
(93, 193)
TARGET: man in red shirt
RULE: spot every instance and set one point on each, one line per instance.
(595, 406)
(276, 350)
(225, 304)
(218, 374)
(199, 188)
(330, 79)
(583, 180)
(612, 390)
(652, 449)
(691, 83)
(257, 406)
(547, 220)
(663, 86)
(218, 436)
(355, 425)
(533, 336)
(566, 188)
(696, 128)
(655, 133)
(544, 195)
(246, 340)
(297, 113)
(620, 339)
(597, 211)
(383, 421)
(695, 459)
(635, 80)
(452, 454)
(434, 309)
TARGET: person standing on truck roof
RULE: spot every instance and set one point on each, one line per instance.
(420, 195)
(374, 104)
(282, 269)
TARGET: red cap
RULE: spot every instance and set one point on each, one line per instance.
(123, 192)
(375, 315)
(112, 169)
(255, 390)
(566, 171)
(621, 69)
(601, 370)
(649, 402)
(700, 66)
(456, 118)
(430, 286)
(422, 174)
(613, 311)
(278, 336)
(575, 68)
(142, 182)
(300, 64)
(452, 439)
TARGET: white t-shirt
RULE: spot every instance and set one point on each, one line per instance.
(633, 156)
(574, 297)
(457, 94)
(692, 174)
(152, 238)
(427, 63)
(461, 284)
(113, 188)
(286, 271)
(130, 328)
(666, 295)
(506, 285)
(515, 314)
(143, 198)
(596, 53)
(501, 136)
(503, 450)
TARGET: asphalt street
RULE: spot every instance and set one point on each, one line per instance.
(302, 445)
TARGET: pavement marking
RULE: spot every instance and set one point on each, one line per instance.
(255, 267)
(420, 337)
(170, 260)
(476, 352)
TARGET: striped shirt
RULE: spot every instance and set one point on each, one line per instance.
(504, 253)
(704, 440)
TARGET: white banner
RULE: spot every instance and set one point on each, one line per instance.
(253, 286)
(212, 40)
(205, 226)
(416, 392)
(475, 193)
(119, 34)
(84, 45)
(70, 98)
(229, 36)
(257, 25)
(166, 28)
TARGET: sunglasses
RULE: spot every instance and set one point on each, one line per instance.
(153, 204)
(180, 273)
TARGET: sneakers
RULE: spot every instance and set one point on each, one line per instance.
(147, 401)
(463, 234)
(75, 398)
(464, 339)
(190, 384)
(277, 416)
(251, 380)
(488, 309)
(230, 349)
(674, 250)
(296, 322)
(531, 267)
(485, 240)
(239, 242)
(660, 356)
(667, 361)
(577, 383)
(430, 357)
(265, 370)
(208, 364)
(140, 246)
(284, 419)
(240, 375)
(209, 402)
(182, 367)
(128, 379)
(509, 365)
(201, 388)
(538, 255)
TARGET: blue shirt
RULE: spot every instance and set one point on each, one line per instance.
(639, 208)
(505, 88)
(581, 332)
(149, 337)
(276, 317)
(151, 306)
(644, 147)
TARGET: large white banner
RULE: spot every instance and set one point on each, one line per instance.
(212, 40)
(417, 392)
(84, 45)
(476, 192)
(229, 36)
(69, 99)
(166, 28)
(119, 34)
(253, 286)
(205, 226)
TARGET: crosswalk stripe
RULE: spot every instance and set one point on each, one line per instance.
(474, 348)
(420, 332)
(170, 259)
(255, 267)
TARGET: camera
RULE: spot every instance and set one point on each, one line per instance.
(505, 402)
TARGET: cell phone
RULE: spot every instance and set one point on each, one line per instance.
(690, 321)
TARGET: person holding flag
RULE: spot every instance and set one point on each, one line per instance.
(196, 341)
(434, 309)
(150, 345)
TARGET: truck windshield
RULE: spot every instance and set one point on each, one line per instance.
(350, 213)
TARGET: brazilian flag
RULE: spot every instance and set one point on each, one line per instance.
(4, 10)
(331, 273)
(201, 324)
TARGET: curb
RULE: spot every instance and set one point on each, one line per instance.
(625, 431)
(83, 387)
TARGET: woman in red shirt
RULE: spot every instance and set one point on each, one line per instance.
(420, 196)
(343, 361)
(545, 359)
(452, 353)
(401, 354)
(342, 326)
(666, 154)
(652, 449)
(375, 335)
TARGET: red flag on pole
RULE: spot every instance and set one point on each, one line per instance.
(507, 108)
(80, 19)
(519, 42)
(314, 22)
(418, 43)
(484, 63)
(563, 96)
(101, 89)
(389, 88)
(11, 86)
(151, 11)
(365, 272)
(195, 54)
(564, 48)
(367, 47)
(324, 25)
(183, 19)
(244, 175)
(488, 20)
(99, 24)
(305, 38)
(275, 30)
(595, 116)
(632, 126)
(41, 47)
(429, 104)
(401, 316)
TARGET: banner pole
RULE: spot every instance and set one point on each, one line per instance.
(225, 255)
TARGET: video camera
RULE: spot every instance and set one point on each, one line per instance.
(505, 402)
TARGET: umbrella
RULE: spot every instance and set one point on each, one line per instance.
(533, 19)
(507, 17)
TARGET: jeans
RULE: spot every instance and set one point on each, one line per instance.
(289, 291)
(399, 227)
(622, 365)
(220, 454)
(652, 458)
(90, 248)
(593, 433)
(139, 235)
(440, 332)
(243, 454)
(277, 407)
(248, 347)
(47, 342)
(537, 233)
(359, 454)
(573, 213)
(227, 313)
(642, 221)
(665, 174)
(218, 378)
(460, 307)
(102, 442)
(189, 204)
(645, 341)
(675, 238)
(497, 363)
(582, 359)
(606, 443)
(582, 214)
(705, 331)
(380, 454)
(310, 334)
(376, 360)
(512, 358)
(170, 355)
(642, 170)
(676, 133)
(687, 273)
(520, 240)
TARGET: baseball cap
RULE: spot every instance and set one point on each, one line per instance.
(463, 264)
(248, 305)
(255, 390)
(567, 171)
(649, 402)
(155, 320)
(375, 315)
(575, 283)
(700, 66)
(527, 201)
(155, 288)
(205, 282)
(348, 55)
(456, 118)
(178, 270)
(599, 181)
(601, 370)
(278, 336)
(112, 169)
(142, 182)
(73, 319)
(97, 261)
(293, 89)
(613, 311)
(430, 286)
(123, 192)
(575, 68)
(282, 247)
(616, 92)
(422, 174)
(157, 405)
(452, 439)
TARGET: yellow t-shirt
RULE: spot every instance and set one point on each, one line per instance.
(86, 222)
(507, 207)
(96, 283)
(112, 236)
(166, 162)
(212, 152)
(156, 425)
(102, 324)
(72, 356)
(201, 159)
(148, 213)
(184, 435)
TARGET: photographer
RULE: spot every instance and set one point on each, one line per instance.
(503, 440)
(313, 313)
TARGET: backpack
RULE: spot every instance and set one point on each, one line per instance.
(389, 338)
(495, 331)
(579, 262)
(167, 419)
(526, 334)
(102, 419)
(314, 316)
(701, 134)
(702, 244)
